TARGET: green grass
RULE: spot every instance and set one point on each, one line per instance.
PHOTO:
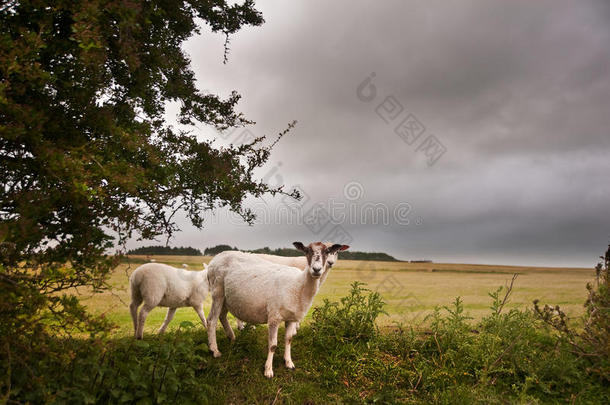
(341, 357)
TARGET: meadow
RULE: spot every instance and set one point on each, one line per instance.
(429, 347)
(411, 290)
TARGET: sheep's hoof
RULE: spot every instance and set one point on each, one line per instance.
(269, 373)
(216, 354)
(290, 365)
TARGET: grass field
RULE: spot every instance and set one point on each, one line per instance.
(500, 357)
(411, 290)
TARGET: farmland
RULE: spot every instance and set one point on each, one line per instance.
(411, 290)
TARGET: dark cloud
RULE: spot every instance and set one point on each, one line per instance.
(518, 93)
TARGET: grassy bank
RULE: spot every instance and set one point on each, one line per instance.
(506, 357)
(422, 346)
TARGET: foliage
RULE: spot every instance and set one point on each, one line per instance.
(165, 250)
(86, 159)
(508, 357)
(593, 342)
(350, 320)
(378, 256)
(289, 252)
(214, 250)
(121, 371)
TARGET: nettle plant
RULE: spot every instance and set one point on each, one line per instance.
(350, 320)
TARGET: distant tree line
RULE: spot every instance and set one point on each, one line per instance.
(213, 251)
(279, 251)
(347, 255)
(378, 256)
(165, 250)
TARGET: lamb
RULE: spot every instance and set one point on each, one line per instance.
(299, 262)
(158, 284)
(258, 291)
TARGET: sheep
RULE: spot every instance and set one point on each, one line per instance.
(158, 284)
(299, 262)
(258, 291)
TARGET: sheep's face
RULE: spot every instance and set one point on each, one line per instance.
(317, 254)
(332, 257)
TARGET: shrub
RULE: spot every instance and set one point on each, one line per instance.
(350, 320)
(592, 343)
(112, 371)
(509, 356)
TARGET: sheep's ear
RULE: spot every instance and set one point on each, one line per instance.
(335, 248)
(344, 247)
(299, 246)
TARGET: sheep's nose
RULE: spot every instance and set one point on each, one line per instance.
(317, 269)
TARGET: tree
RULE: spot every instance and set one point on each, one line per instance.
(214, 250)
(86, 159)
(165, 250)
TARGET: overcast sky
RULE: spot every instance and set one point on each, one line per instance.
(506, 155)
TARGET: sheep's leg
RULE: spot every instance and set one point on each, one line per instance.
(133, 309)
(273, 327)
(142, 319)
(168, 318)
(199, 310)
(291, 330)
(217, 304)
(225, 323)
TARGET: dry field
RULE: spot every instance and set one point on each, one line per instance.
(411, 290)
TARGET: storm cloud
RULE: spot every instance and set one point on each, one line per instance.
(517, 93)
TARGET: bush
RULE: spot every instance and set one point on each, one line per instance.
(115, 371)
(351, 320)
(592, 344)
(509, 356)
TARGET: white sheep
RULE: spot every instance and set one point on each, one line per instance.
(258, 291)
(299, 262)
(157, 284)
